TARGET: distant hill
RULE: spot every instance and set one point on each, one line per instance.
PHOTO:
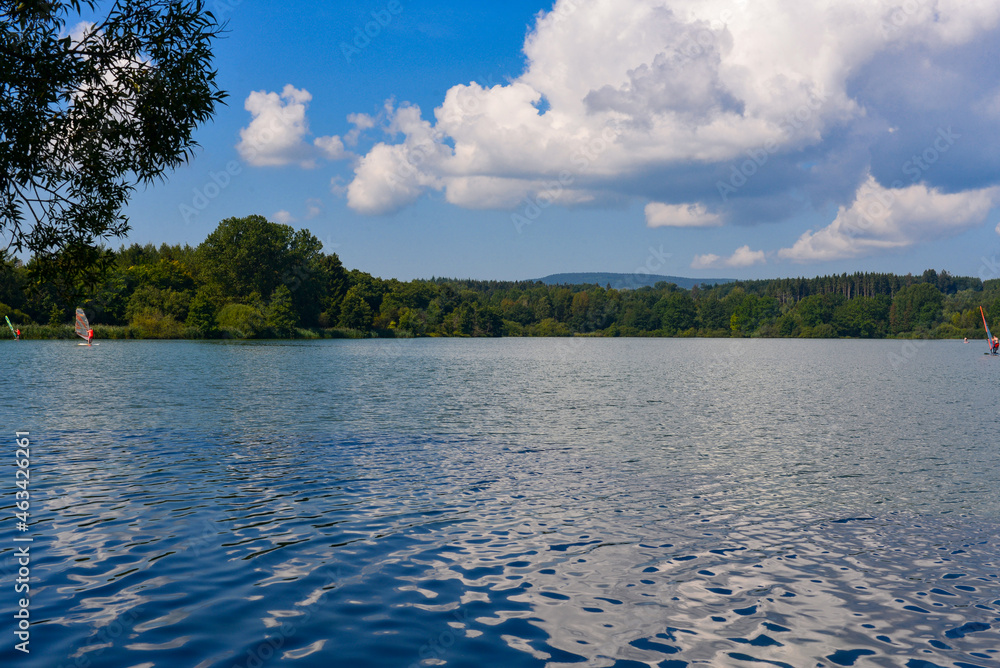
(625, 281)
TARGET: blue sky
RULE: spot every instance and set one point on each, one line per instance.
(695, 138)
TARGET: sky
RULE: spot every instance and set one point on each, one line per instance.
(511, 140)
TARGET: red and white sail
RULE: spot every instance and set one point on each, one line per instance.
(82, 325)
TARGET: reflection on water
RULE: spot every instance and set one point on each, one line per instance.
(514, 503)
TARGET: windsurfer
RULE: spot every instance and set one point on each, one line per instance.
(17, 334)
(90, 336)
(991, 340)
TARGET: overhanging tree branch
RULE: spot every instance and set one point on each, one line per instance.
(82, 122)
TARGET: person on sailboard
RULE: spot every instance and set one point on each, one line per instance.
(90, 335)
(994, 345)
(17, 334)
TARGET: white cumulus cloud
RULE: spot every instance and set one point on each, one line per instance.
(361, 122)
(741, 257)
(680, 215)
(332, 147)
(392, 176)
(881, 219)
(708, 112)
(277, 134)
(706, 261)
(744, 257)
(664, 99)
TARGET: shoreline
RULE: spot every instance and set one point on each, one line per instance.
(126, 333)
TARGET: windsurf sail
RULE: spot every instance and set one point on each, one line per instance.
(82, 325)
(989, 336)
(12, 331)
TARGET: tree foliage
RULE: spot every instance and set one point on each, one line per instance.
(255, 278)
(355, 313)
(202, 315)
(86, 116)
(252, 256)
(915, 306)
(281, 315)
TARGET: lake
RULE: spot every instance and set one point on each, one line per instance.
(509, 502)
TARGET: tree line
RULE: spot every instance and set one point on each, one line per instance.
(251, 278)
(88, 119)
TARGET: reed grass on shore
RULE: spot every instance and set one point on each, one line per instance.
(138, 331)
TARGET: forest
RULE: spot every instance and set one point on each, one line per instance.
(251, 278)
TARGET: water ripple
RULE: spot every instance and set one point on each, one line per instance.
(350, 553)
(516, 507)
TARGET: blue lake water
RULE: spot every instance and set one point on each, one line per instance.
(516, 502)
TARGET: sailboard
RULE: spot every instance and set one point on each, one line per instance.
(12, 330)
(989, 335)
(82, 325)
